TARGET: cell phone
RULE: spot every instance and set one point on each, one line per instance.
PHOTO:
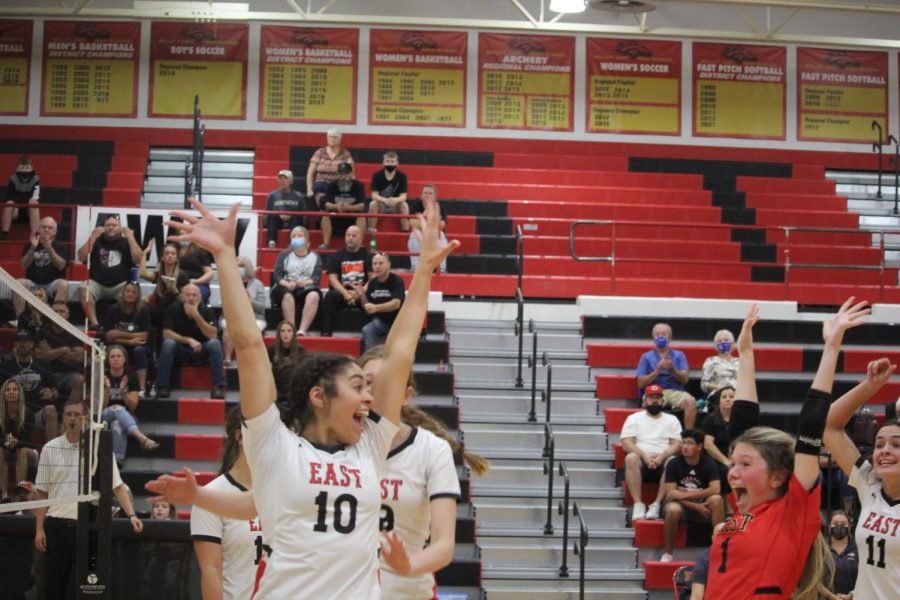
(167, 278)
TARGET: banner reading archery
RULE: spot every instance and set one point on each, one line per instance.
(15, 60)
(633, 86)
(739, 91)
(203, 59)
(840, 93)
(90, 69)
(525, 81)
(417, 78)
(308, 75)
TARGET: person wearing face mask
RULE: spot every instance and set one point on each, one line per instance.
(649, 438)
(343, 195)
(389, 188)
(668, 368)
(257, 292)
(23, 187)
(287, 200)
(296, 278)
(720, 370)
(845, 555)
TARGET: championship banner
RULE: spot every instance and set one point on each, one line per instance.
(417, 78)
(15, 63)
(633, 86)
(840, 93)
(90, 68)
(525, 81)
(198, 59)
(739, 91)
(308, 75)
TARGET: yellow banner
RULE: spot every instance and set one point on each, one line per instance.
(504, 111)
(320, 93)
(722, 108)
(838, 127)
(13, 85)
(843, 99)
(634, 89)
(651, 119)
(219, 84)
(417, 114)
(548, 112)
(526, 83)
(435, 86)
(87, 87)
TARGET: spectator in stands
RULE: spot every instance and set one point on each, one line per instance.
(389, 188)
(196, 263)
(128, 324)
(113, 251)
(24, 187)
(163, 511)
(348, 271)
(649, 438)
(286, 199)
(44, 261)
(16, 447)
(845, 555)
(429, 192)
(668, 368)
(343, 195)
(167, 276)
(257, 292)
(693, 490)
(323, 167)
(190, 337)
(37, 380)
(384, 297)
(720, 370)
(30, 318)
(120, 401)
(717, 437)
(285, 347)
(296, 277)
(63, 352)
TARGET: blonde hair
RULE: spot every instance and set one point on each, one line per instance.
(819, 569)
(724, 332)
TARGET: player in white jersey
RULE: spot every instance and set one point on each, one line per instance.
(877, 484)
(318, 494)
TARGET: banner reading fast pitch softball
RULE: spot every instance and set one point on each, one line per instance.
(840, 93)
(308, 75)
(525, 81)
(205, 59)
(633, 86)
(417, 78)
(90, 68)
(15, 63)
(739, 91)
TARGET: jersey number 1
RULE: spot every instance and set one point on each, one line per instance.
(871, 543)
(339, 503)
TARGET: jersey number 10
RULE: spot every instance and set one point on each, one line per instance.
(342, 502)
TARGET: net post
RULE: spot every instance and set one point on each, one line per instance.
(93, 570)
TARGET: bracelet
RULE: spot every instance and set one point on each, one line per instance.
(131, 516)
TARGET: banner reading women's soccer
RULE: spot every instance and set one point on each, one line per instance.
(15, 64)
(739, 91)
(90, 69)
(525, 81)
(308, 75)
(198, 59)
(633, 86)
(840, 93)
(417, 78)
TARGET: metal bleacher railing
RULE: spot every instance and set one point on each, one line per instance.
(193, 169)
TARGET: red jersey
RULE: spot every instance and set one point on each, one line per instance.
(761, 554)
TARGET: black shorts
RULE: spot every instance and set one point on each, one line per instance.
(649, 475)
(278, 292)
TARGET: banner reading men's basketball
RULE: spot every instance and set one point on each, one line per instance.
(308, 75)
(90, 69)
(417, 78)
(525, 81)
(739, 91)
(15, 63)
(633, 86)
(840, 93)
(204, 59)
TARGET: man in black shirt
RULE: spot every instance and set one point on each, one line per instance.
(23, 187)
(45, 261)
(113, 251)
(190, 337)
(348, 271)
(286, 199)
(37, 381)
(385, 293)
(389, 188)
(343, 195)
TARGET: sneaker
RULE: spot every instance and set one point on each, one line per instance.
(323, 246)
(163, 393)
(639, 511)
(301, 333)
(666, 557)
(653, 511)
(271, 244)
(218, 393)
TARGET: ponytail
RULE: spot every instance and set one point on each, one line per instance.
(416, 417)
(231, 449)
(818, 570)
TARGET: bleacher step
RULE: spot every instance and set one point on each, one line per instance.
(531, 514)
(209, 155)
(538, 553)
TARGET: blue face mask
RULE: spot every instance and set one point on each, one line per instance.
(723, 347)
(297, 243)
(661, 341)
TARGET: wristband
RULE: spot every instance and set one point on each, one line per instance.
(131, 516)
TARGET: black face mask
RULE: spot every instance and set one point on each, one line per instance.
(25, 176)
(839, 532)
(390, 168)
(654, 409)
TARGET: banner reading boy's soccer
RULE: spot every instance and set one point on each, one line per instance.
(739, 91)
(840, 93)
(90, 69)
(15, 64)
(417, 78)
(205, 59)
(308, 75)
(633, 86)
(525, 81)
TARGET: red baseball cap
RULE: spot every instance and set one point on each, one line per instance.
(653, 390)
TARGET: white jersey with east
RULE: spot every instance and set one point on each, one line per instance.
(877, 537)
(418, 471)
(241, 540)
(319, 507)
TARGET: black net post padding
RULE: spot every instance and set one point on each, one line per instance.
(92, 563)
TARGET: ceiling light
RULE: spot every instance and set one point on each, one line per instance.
(567, 6)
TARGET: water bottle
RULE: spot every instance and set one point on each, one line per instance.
(134, 274)
(373, 244)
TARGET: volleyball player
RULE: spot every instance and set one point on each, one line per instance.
(877, 482)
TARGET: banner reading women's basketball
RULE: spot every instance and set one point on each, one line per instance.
(417, 78)
(840, 93)
(308, 75)
(90, 69)
(15, 63)
(525, 81)
(739, 91)
(208, 60)
(633, 86)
